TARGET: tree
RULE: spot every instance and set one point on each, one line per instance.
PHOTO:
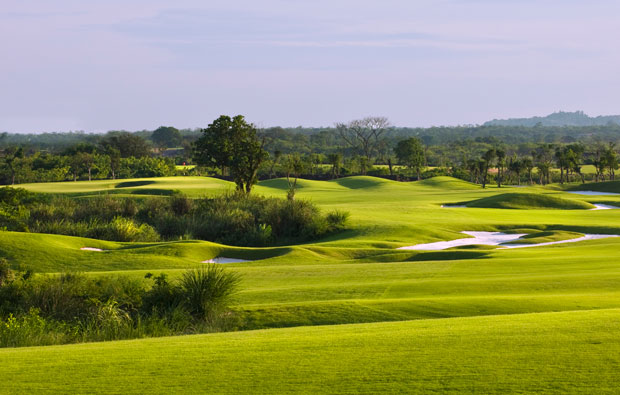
(115, 160)
(574, 159)
(472, 167)
(516, 166)
(364, 135)
(234, 144)
(336, 161)
(11, 156)
(560, 156)
(410, 153)
(528, 165)
(166, 136)
(276, 157)
(501, 164)
(611, 159)
(293, 165)
(487, 160)
(544, 161)
(128, 144)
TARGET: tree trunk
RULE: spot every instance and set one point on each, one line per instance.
(89, 175)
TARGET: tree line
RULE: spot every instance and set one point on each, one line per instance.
(367, 146)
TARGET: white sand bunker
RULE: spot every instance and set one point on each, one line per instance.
(453, 206)
(604, 207)
(91, 249)
(592, 193)
(494, 239)
(221, 259)
(478, 238)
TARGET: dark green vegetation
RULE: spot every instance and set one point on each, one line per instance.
(232, 149)
(529, 201)
(68, 308)
(233, 218)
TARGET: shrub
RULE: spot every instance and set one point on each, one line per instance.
(337, 220)
(207, 290)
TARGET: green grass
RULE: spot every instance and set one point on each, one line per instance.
(569, 352)
(546, 237)
(529, 201)
(488, 320)
(607, 186)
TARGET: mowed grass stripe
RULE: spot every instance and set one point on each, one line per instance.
(569, 352)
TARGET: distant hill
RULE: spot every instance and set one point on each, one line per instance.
(577, 118)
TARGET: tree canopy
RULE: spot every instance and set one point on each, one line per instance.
(233, 144)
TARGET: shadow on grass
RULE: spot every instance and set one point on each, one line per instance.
(131, 184)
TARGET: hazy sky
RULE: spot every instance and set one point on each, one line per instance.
(137, 64)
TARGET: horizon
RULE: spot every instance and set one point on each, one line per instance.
(313, 126)
(135, 66)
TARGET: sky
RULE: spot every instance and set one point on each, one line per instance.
(137, 64)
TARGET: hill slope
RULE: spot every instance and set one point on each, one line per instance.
(569, 352)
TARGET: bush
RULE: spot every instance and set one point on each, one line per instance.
(207, 290)
(236, 219)
(337, 220)
(73, 307)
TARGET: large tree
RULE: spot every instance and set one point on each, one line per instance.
(364, 135)
(165, 137)
(128, 144)
(232, 143)
(410, 153)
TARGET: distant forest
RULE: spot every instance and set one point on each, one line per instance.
(122, 154)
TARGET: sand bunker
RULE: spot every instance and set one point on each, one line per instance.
(593, 193)
(604, 207)
(221, 259)
(91, 249)
(453, 206)
(494, 239)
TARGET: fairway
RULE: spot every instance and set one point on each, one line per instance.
(527, 353)
(474, 318)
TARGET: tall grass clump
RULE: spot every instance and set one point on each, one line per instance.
(208, 289)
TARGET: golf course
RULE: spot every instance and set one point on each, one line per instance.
(385, 305)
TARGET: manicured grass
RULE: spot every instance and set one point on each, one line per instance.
(546, 237)
(569, 352)
(607, 186)
(529, 201)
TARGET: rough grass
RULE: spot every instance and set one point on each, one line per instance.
(529, 201)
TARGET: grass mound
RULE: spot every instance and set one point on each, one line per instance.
(133, 184)
(606, 186)
(529, 201)
(359, 182)
(448, 183)
(547, 237)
